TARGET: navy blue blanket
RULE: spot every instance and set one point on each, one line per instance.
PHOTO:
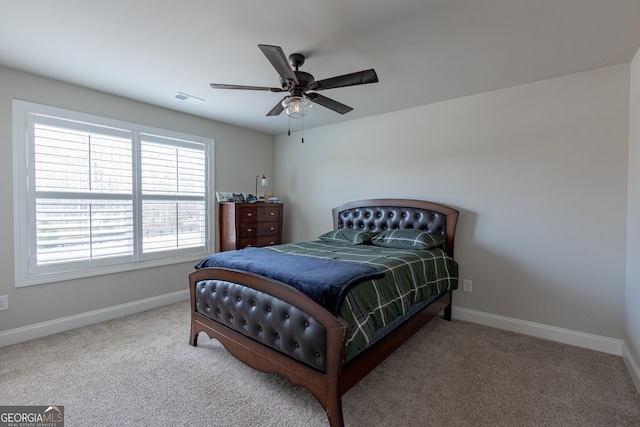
(324, 280)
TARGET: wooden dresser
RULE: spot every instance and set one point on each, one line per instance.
(250, 224)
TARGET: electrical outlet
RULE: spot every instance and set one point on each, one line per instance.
(4, 302)
(467, 286)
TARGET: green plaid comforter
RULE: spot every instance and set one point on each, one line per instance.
(411, 276)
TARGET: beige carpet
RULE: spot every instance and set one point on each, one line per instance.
(141, 371)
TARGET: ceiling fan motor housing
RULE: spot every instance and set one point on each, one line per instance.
(303, 81)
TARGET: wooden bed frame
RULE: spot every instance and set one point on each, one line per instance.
(238, 295)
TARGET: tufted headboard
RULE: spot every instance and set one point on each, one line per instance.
(385, 214)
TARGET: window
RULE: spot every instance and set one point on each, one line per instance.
(95, 195)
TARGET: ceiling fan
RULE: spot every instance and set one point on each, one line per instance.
(299, 83)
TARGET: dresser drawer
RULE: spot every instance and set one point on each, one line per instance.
(257, 242)
(248, 215)
(248, 242)
(268, 241)
(271, 228)
(268, 213)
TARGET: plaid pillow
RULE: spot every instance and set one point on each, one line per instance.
(348, 236)
(408, 238)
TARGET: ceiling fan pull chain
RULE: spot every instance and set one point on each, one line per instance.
(303, 129)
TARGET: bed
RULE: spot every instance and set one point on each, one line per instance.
(317, 342)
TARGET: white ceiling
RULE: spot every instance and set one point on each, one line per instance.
(423, 51)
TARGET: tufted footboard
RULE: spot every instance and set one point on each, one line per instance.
(265, 319)
(272, 327)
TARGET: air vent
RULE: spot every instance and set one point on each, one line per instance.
(188, 98)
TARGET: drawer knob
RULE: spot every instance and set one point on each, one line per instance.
(249, 229)
(272, 213)
(271, 228)
(249, 214)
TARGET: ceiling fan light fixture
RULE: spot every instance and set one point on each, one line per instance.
(296, 107)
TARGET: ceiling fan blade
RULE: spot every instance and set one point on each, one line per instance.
(225, 86)
(358, 78)
(277, 109)
(329, 103)
(278, 59)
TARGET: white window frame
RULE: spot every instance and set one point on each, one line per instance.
(24, 230)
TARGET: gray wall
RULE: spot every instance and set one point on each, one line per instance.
(632, 300)
(538, 171)
(240, 155)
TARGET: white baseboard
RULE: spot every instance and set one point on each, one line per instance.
(632, 366)
(39, 330)
(566, 336)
